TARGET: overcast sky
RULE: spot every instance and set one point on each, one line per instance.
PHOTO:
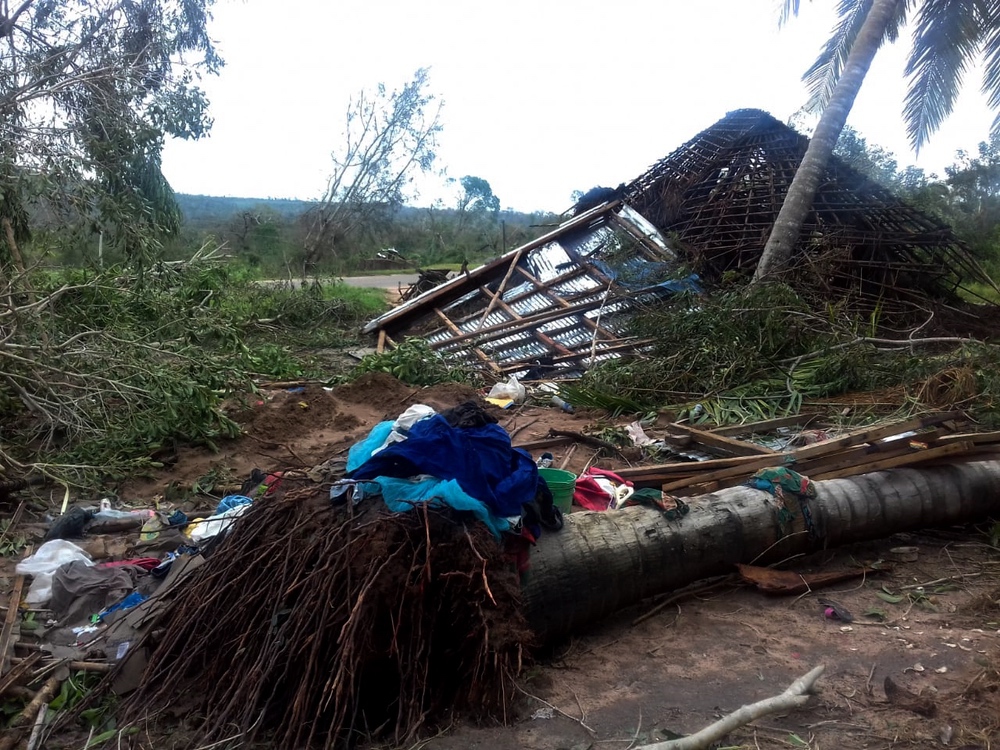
(541, 97)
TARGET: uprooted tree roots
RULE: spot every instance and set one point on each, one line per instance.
(314, 626)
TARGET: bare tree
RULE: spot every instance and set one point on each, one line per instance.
(389, 136)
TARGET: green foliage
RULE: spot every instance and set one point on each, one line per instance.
(88, 92)
(267, 236)
(415, 363)
(112, 371)
(10, 544)
(745, 354)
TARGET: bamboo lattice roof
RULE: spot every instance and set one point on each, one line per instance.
(719, 194)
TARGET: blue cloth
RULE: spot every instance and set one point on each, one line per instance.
(481, 460)
(401, 495)
(128, 602)
(232, 501)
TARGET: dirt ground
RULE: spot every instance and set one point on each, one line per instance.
(621, 684)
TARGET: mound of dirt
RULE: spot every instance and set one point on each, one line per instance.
(279, 416)
(374, 388)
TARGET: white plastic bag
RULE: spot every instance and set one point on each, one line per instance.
(42, 565)
(206, 528)
(512, 389)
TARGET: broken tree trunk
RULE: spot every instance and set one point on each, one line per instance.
(601, 562)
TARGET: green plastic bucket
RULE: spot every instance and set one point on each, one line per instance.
(561, 484)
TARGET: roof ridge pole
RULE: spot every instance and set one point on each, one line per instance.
(799, 198)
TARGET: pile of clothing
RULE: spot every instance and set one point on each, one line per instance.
(460, 458)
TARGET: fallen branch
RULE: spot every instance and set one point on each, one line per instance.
(12, 734)
(796, 695)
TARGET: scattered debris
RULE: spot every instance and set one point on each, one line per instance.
(787, 582)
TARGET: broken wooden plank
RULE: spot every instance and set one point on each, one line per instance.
(909, 459)
(977, 438)
(793, 458)
(727, 445)
(767, 425)
(666, 471)
(11, 619)
(546, 442)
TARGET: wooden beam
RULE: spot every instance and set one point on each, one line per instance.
(792, 459)
(515, 326)
(546, 340)
(476, 350)
(915, 457)
(563, 303)
(768, 425)
(11, 619)
(727, 445)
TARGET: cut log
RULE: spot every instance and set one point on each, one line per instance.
(602, 562)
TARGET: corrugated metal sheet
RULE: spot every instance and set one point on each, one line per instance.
(569, 300)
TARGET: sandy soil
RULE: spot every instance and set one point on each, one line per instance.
(621, 684)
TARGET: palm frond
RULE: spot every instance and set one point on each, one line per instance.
(991, 64)
(823, 75)
(789, 8)
(946, 41)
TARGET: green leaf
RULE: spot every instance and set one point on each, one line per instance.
(100, 738)
(797, 741)
(891, 598)
(877, 614)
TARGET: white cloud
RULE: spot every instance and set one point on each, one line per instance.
(541, 98)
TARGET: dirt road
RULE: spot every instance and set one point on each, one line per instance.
(385, 281)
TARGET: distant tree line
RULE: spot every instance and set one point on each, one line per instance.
(271, 235)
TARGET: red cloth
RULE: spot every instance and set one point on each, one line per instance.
(589, 494)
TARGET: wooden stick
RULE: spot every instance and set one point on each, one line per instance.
(11, 619)
(568, 456)
(20, 670)
(503, 285)
(380, 347)
(15, 728)
(796, 695)
(36, 731)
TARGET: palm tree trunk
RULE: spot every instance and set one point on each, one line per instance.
(799, 199)
(601, 562)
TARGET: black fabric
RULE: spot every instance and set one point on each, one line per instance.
(468, 414)
(69, 525)
(542, 512)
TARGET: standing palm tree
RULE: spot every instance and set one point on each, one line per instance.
(948, 37)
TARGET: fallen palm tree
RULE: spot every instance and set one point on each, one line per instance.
(313, 626)
(602, 562)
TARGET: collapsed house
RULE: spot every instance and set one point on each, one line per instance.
(561, 303)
